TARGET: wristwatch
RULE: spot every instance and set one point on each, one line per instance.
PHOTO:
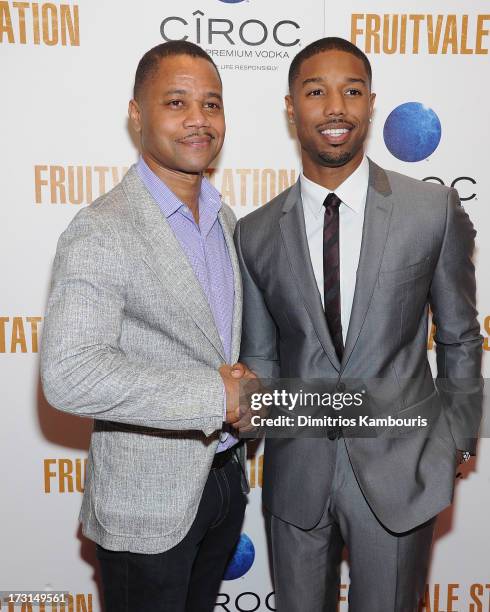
(466, 455)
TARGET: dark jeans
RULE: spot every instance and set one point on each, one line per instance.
(187, 577)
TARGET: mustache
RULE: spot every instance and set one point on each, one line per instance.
(334, 122)
(196, 134)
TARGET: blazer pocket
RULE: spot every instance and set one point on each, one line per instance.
(406, 274)
(428, 408)
(141, 488)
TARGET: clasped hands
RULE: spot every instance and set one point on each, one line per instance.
(238, 412)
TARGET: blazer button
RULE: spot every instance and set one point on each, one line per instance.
(340, 387)
(333, 434)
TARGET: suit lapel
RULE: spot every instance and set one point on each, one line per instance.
(237, 302)
(377, 216)
(167, 259)
(293, 231)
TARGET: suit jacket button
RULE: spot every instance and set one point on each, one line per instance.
(333, 434)
(340, 387)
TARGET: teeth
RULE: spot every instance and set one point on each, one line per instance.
(335, 132)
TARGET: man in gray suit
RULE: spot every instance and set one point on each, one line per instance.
(338, 275)
(143, 318)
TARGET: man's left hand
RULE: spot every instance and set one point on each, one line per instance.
(241, 371)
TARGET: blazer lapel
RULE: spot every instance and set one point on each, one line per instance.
(377, 217)
(167, 259)
(237, 282)
(293, 231)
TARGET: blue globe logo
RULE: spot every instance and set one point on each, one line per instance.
(242, 559)
(412, 132)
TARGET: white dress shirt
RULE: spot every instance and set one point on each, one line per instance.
(352, 192)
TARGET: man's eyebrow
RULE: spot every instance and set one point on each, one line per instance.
(183, 92)
(180, 92)
(312, 80)
(214, 94)
(356, 80)
(321, 80)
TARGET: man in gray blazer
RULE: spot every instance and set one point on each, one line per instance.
(143, 318)
(338, 275)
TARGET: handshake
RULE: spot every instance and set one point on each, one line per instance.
(238, 412)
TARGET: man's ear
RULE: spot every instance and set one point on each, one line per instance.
(289, 108)
(372, 98)
(135, 115)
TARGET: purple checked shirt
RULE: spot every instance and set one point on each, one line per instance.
(205, 247)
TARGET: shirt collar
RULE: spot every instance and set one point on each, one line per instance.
(169, 203)
(352, 192)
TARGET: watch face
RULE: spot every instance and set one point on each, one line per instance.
(466, 456)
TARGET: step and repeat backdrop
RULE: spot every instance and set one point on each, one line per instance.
(66, 77)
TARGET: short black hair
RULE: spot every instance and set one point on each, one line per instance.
(326, 44)
(149, 63)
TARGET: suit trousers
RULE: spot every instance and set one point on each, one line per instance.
(387, 570)
(187, 577)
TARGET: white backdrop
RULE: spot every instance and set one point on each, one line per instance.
(67, 72)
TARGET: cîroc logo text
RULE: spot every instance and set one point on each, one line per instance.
(205, 30)
(463, 184)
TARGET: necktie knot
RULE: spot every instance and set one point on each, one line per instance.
(332, 201)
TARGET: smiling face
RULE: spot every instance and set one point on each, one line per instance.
(331, 103)
(179, 115)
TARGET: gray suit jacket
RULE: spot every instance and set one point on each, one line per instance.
(129, 339)
(416, 251)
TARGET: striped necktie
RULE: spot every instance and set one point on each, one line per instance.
(331, 271)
